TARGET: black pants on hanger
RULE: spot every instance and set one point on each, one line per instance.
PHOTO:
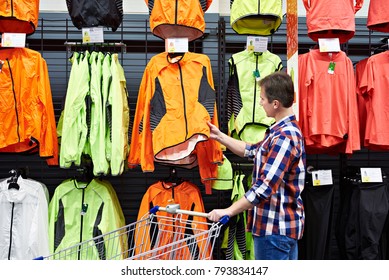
(318, 205)
(363, 221)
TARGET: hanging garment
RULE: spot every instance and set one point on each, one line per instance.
(378, 16)
(98, 116)
(74, 126)
(81, 211)
(224, 180)
(95, 121)
(27, 121)
(374, 83)
(175, 101)
(120, 117)
(240, 244)
(318, 208)
(246, 118)
(177, 19)
(362, 98)
(256, 17)
(87, 13)
(188, 196)
(331, 18)
(329, 122)
(19, 16)
(23, 220)
(363, 213)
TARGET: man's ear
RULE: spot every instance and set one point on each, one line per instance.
(276, 104)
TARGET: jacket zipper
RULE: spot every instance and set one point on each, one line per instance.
(176, 13)
(15, 100)
(184, 101)
(12, 8)
(10, 231)
(255, 88)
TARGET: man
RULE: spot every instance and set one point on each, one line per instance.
(276, 214)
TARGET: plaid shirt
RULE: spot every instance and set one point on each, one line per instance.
(278, 180)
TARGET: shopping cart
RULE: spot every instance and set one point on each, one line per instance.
(172, 234)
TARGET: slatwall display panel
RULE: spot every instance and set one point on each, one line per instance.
(219, 43)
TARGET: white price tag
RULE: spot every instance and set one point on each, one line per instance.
(371, 175)
(13, 40)
(176, 45)
(322, 177)
(257, 43)
(92, 35)
(329, 45)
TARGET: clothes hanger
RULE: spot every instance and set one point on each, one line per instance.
(173, 180)
(13, 181)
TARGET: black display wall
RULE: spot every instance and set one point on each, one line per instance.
(53, 39)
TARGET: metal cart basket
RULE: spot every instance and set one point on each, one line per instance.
(165, 233)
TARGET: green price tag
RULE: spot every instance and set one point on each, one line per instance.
(331, 68)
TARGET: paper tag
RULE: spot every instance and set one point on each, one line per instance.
(13, 40)
(176, 45)
(329, 45)
(257, 43)
(331, 68)
(93, 35)
(322, 177)
(371, 175)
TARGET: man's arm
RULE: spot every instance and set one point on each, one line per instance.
(234, 145)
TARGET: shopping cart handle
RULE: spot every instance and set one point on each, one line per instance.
(154, 210)
(38, 258)
(223, 220)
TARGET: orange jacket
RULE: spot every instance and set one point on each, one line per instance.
(188, 196)
(178, 18)
(175, 101)
(331, 18)
(19, 16)
(27, 118)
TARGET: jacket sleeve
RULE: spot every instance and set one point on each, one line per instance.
(141, 151)
(353, 142)
(48, 138)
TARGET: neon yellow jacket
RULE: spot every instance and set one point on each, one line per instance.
(256, 17)
(81, 211)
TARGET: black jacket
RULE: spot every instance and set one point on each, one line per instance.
(91, 13)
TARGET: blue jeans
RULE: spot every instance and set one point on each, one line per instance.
(275, 247)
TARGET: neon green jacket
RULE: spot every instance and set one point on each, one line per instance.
(247, 119)
(255, 17)
(79, 212)
(98, 115)
(120, 117)
(74, 126)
